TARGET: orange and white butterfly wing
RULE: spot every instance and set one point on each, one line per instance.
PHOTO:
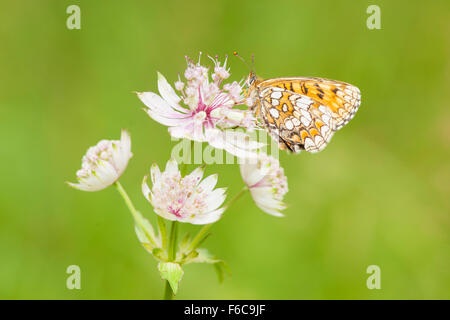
(296, 121)
(304, 113)
(341, 98)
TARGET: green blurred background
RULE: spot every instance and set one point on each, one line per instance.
(379, 194)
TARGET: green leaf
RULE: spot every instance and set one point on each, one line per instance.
(171, 272)
(204, 256)
(145, 233)
(221, 268)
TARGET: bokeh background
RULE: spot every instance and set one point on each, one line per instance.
(379, 194)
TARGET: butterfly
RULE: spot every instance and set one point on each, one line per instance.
(302, 113)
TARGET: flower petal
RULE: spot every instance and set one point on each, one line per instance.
(168, 93)
(155, 173)
(208, 183)
(166, 215)
(265, 200)
(207, 218)
(145, 189)
(197, 174)
(172, 167)
(85, 187)
(155, 103)
(216, 198)
(122, 152)
(170, 122)
(106, 172)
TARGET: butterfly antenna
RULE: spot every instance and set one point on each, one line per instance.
(242, 59)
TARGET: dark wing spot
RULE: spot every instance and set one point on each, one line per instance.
(290, 86)
(305, 89)
(320, 95)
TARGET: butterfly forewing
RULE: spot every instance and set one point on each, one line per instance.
(303, 113)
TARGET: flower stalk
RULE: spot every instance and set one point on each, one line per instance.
(168, 293)
(172, 253)
(128, 202)
(173, 241)
(199, 237)
(138, 219)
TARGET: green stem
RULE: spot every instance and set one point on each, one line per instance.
(171, 247)
(128, 202)
(173, 241)
(168, 295)
(162, 232)
(195, 242)
(136, 215)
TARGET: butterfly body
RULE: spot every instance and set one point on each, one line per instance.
(302, 113)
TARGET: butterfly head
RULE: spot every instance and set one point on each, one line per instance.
(251, 80)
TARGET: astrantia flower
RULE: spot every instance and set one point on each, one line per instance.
(204, 110)
(266, 182)
(103, 164)
(185, 199)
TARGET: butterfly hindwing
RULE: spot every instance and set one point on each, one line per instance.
(295, 120)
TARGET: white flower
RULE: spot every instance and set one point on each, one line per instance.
(103, 164)
(184, 199)
(266, 182)
(209, 110)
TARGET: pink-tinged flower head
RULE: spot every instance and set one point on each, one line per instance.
(266, 182)
(185, 199)
(204, 110)
(103, 164)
